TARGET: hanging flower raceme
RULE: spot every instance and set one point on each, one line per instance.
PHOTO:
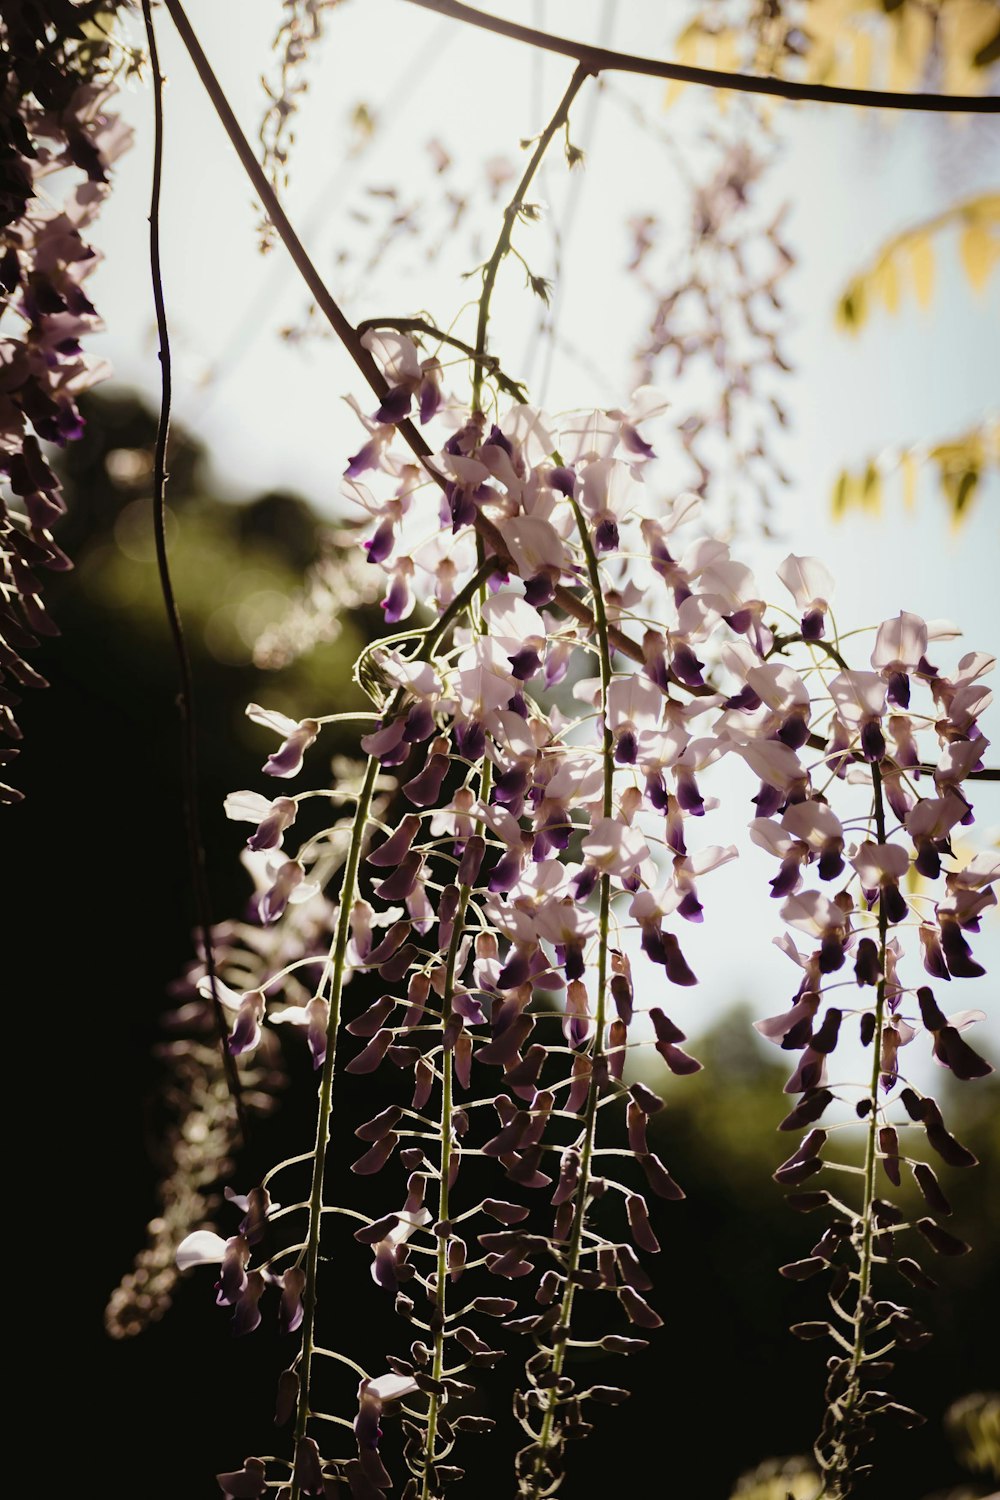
(516, 907)
(58, 83)
(867, 925)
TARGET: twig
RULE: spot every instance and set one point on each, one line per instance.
(514, 207)
(185, 693)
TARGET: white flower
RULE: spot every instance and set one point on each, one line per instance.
(808, 581)
(202, 1248)
(392, 1387)
(900, 644)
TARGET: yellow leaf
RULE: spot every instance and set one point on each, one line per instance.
(985, 208)
(908, 473)
(913, 34)
(960, 489)
(922, 266)
(964, 26)
(862, 62)
(871, 489)
(979, 252)
(727, 60)
(97, 28)
(842, 495)
(686, 52)
(885, 283)
(959, 466)
(852, 309)
(831, 28)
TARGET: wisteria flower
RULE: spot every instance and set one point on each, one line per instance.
(249, 1008)
(811, 586)
(880, 868)
(272, 816)
(248, 1483)
(900, 650)
(519, 630)
(539, 554)
(860, 701)
(314, 1016)
(408, 375)
(812, 913)
(297, 736)
(288, 882)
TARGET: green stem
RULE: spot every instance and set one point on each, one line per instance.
(309, 1298)
(511, 212)
(593, 1091)
(447, 1077)
(782, 641)
(336, 964)
(853, 1390)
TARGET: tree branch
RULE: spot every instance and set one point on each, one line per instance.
(602, 60)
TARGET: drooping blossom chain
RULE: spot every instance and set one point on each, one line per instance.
(56, 83)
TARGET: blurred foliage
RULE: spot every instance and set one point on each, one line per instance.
(958, 465)
(906, 261)
(779, 1479)
(973, 1425)
(901, 45)
(973, 1428)
(237, 567)
(878, 44)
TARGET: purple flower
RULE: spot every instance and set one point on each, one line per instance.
(297, 737)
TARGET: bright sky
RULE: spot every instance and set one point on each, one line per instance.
(273, 415)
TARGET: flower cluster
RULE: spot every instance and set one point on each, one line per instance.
(886, 900)
(523, 899)
(55, 86)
